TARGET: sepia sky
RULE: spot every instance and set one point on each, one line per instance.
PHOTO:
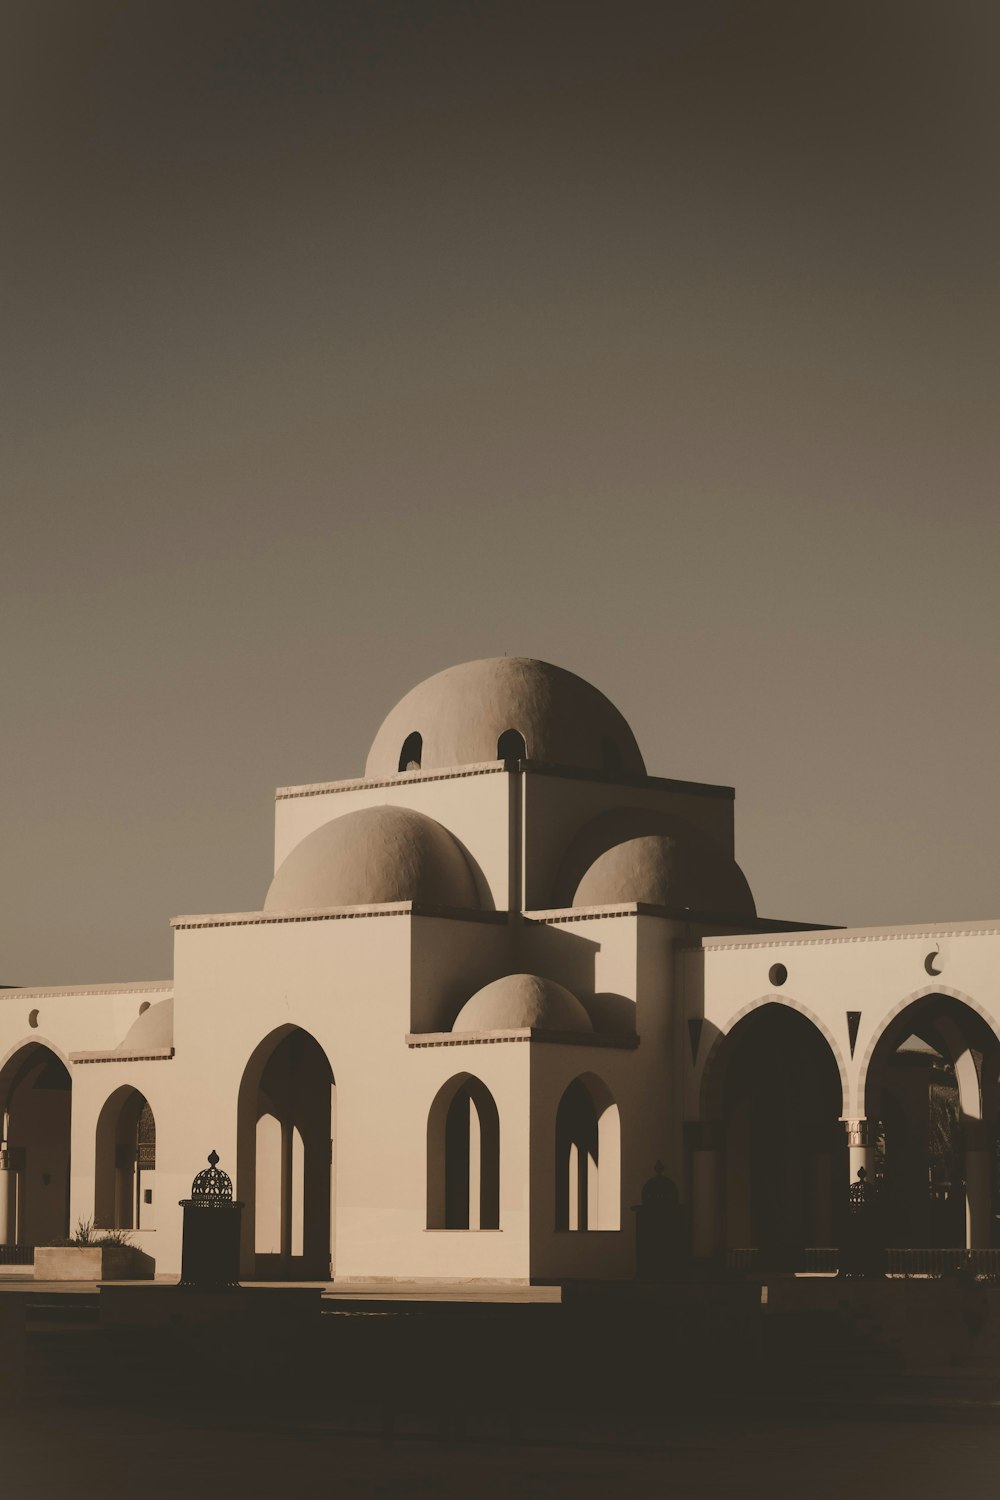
(346, 340)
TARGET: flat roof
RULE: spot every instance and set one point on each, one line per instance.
(494, 767)
(985, 928)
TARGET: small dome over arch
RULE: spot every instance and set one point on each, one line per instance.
(634, 856)
(152, 1030)
(371, 856)
(463, 712)
(522, 1001)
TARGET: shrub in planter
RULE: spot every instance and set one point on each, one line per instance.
(93, 1255)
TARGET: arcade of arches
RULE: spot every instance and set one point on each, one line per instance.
(778, 1154)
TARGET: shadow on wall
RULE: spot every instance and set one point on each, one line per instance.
(587, 1157)
(553, 950)
(570, 956)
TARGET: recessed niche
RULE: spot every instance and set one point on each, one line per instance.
(143, 1007)
(777, 974)
(33, 1019)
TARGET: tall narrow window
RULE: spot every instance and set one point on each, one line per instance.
(410, 755)
(463, 1157)
(511, 746)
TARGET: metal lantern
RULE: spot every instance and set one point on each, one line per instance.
(210, 1253)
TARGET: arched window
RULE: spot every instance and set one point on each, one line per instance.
(463, 1157)
(125, 1162)
(511, 746)
(588, 1157)
(410, 755)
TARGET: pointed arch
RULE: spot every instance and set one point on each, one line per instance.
(588, 1157)
(893, 1015)
(125, 1162)
(928, 1087)
(463, 1156)
(773, 1091)
(286, 1115)
(36, 1104)
(716, 1060)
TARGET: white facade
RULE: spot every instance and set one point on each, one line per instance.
(482, 997)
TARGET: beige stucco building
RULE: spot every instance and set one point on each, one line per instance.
(491, 983)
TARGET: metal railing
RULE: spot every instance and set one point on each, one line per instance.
(935, 1261)
(919, 1261)
(17, 1255)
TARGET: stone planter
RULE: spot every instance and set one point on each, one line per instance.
(92, 1263)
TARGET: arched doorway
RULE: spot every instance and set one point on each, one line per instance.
(36, 1098)
(779, 1094)
(125, 1162)
(931, 1104)
(588, 1157)
(463, 1157)
(284, 1158)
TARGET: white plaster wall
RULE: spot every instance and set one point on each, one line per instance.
(346, 982)
(89, 1017)
(383, 1231)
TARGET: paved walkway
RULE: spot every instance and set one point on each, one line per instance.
(94, 1455)
(366, 1291)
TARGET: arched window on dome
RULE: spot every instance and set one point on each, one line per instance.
(463, 1157)
(588, 1157)
(411, 753)
(511, 746)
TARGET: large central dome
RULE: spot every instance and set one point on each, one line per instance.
(475, 712)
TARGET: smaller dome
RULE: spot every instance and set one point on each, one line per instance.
(634, 856)
(152, 1030)
(519, 1002)
(373, 856)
